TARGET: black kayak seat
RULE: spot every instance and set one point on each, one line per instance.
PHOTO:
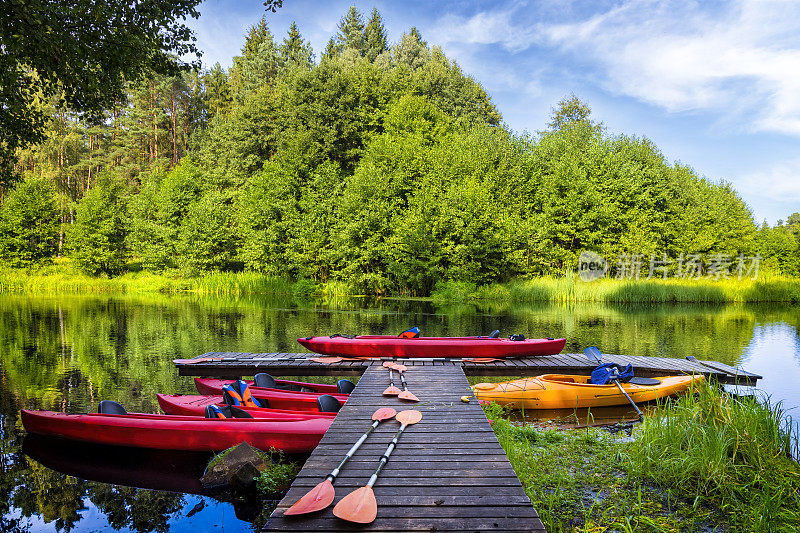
(228, 411)
(328, 404)
(110, 407)
(345, 386)
(264, 380)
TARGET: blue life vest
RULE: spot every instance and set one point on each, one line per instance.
(610, 372)
(240, 397)
(412, 333)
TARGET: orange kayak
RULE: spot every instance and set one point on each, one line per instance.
(559, 391)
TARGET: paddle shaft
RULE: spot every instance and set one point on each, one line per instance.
(385, 456)
(641, 416)
(594, 354)
(403, 381)
(391, 377)
(335, 472)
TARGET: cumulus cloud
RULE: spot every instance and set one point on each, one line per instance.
(741, 59)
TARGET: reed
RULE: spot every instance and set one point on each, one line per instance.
(698, 462)
(62, 277)
(570, 289)
(733, 453)
(240, 283)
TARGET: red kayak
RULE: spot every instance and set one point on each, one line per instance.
(390, 346)
(193, 405)
(167, 432)
(276, 398)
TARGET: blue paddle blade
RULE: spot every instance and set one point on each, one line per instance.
(593, 353)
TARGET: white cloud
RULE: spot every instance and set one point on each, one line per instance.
(779, 183)
(742, 61)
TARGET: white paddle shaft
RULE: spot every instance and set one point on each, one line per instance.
(385, 456)
(349, 454)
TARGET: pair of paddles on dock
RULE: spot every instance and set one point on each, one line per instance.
(360, 505)
(391, 390)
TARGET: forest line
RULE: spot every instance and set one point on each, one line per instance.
(382, 168)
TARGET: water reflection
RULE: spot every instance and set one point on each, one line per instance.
(66, 353)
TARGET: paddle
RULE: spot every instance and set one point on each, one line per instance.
(322, 495)
(391, 390)
(406, 394)
(593, 353)
(360, 506)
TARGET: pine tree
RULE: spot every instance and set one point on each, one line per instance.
(375, 36)
(217, 91)
(258, 63)
(295, 52)
(351, 32)
(411, 50)
(330, 50)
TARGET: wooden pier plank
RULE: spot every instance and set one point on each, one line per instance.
(234, 365)
(448, 472)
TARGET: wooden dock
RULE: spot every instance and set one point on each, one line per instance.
(448, 473)
(236, 364)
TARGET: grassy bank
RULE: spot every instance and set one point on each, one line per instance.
(696, 464)
(62, 276)
(571, 289)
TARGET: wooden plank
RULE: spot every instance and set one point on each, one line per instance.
(234, 364)
(455, 476)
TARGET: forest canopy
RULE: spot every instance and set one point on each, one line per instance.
(380, 165)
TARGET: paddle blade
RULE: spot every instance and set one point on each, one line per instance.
(316, 499)
(400, 368)
(593, 354)
(388, 364)
(384, 413)
(408, 395)
(409, 417)
(391, 390)
(359, 506)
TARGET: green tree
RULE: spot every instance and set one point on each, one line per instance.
(158, 212)
(351, 33)
(258, 64)
(85, 51)
(295, 52)
(569, 111)
(375, 36)
(411, 51)
(217, 91)
(206, 240)
(97, 238)
(29, 223)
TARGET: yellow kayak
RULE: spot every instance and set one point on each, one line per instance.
(559, 391)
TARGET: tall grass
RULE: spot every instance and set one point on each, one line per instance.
(570, 289)
(63, 278)
(731, 452)
(240, 283)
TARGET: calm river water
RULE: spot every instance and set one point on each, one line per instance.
(67, 353)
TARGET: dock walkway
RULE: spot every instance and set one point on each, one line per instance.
(236, 364)
(448, 473)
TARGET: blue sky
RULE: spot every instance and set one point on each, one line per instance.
(716, 85)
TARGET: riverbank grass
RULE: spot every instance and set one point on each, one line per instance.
(570, 289)
(697, 463)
